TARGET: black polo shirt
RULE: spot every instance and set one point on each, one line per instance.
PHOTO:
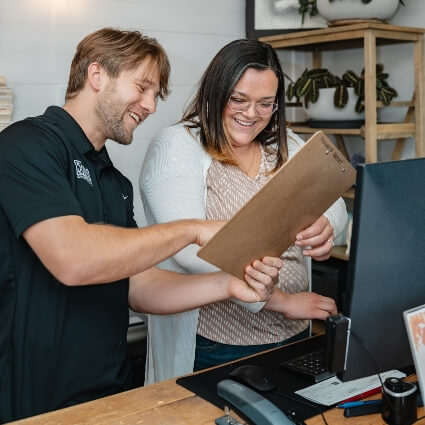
(59, 345)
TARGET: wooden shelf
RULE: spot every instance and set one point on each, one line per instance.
(367, 35)
(379, 104)
(384, 131)
(304, 128)
(344, 37)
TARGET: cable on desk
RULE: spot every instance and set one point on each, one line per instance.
(305, 403)
(364, 346)
(384, 394)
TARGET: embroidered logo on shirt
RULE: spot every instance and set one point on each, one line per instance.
(124, 196)
(82, 172)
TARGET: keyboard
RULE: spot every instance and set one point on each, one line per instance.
(310, 365)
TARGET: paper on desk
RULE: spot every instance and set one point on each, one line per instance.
(333, 390)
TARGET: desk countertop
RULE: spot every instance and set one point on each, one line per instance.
(164, 403)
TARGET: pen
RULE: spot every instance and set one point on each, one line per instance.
(357, 403)
(363, 395)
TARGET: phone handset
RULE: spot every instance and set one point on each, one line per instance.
(252, 405)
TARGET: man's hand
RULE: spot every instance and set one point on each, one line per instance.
(260, 278)
(302, 305)
(318, 238)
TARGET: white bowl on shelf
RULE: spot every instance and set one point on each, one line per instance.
(325, 110)
(340, 10)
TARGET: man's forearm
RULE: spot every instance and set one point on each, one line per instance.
(78, 253)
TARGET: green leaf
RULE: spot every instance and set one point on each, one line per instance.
(359, 105)
(384, 97)
(359, 88)
(290, 92)
(314, 92)
(351, 78)
(299, 83)
(340, 96)
(305, 88)
(390, 91)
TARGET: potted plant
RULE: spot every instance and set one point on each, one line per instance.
(342, 10)
(342, 98)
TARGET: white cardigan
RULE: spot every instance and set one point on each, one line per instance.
(172, 187)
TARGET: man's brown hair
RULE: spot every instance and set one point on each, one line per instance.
(116, 51)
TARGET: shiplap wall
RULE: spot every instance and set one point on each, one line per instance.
(38, 40)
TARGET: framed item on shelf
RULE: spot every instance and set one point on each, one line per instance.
(269, 17)
(414, 320)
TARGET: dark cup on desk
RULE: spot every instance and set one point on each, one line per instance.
(399, 402)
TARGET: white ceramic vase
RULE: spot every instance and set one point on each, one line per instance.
(337, 10)
(325, 110)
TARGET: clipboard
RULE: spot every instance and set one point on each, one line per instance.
(299, 193)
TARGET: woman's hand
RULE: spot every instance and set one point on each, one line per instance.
(260, 278)
(318, 239)
(302, 305)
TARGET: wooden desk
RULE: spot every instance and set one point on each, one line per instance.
(165, 403)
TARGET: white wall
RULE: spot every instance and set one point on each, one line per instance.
(38, 40)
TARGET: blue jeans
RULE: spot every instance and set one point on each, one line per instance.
(210, 353)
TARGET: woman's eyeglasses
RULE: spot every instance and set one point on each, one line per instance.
(262, 109)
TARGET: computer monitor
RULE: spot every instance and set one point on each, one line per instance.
(386, 270)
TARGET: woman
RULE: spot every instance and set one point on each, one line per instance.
(230, 141)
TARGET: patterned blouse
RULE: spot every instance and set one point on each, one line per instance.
(228, 189)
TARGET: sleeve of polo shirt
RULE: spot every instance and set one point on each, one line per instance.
(33, 176)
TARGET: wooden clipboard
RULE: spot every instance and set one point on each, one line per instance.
(299, 193)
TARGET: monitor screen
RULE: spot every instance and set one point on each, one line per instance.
(386, 270)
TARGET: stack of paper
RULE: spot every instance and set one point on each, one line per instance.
(332, 390)
(6, 104)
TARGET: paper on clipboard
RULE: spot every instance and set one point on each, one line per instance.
(300, 192)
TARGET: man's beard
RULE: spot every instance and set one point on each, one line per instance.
(109, 110)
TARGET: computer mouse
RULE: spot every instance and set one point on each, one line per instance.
(254, 377)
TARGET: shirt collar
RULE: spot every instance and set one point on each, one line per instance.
(75, 134)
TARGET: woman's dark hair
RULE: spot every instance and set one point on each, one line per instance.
(205, 111)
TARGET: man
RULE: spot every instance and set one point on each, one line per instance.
(69, 241)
